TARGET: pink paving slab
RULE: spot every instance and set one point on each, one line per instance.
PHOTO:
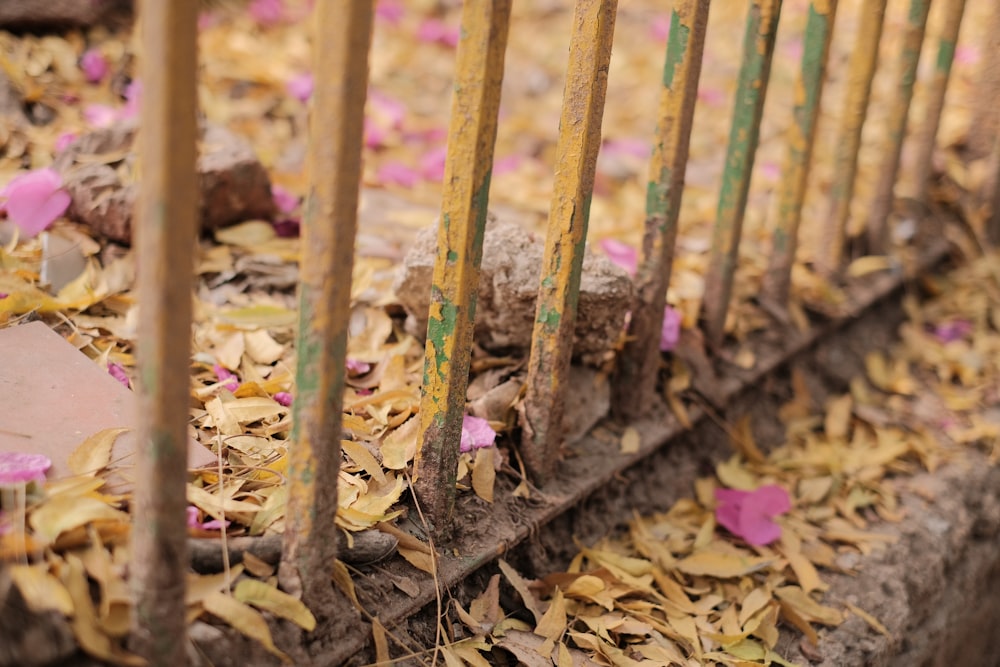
(53, 397)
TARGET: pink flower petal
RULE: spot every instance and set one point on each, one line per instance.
(770, 170)
(94, 66)
(133, 95)
(285, 201)
(627, 146)
(375, 135)
(476, 433)
(432, 164)
(300, 86)
(659, 29)
(670, 333)
(99, 115)
(434, 31)
(118, 373)
(283, 398)
(750, 514)
(390, 11)
(35, 200)
(397, 173)
(64, 140)
(387, 108)
(267, 12)
(355, 367)
(22, 467)
(506, 165)
(621, 254)
(967, 55)
(952, 330)
(194, 522)
(287, 228)
(711, 96)
(226, 377)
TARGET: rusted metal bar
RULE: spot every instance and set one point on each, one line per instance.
(471, 137)
(340, 61)
(559, 288)
(758, 48)
(993, 194)
(859, 84)
(913, 39)
(937, 88)
(635, 382)
(985, 124)
(166, 219)
(801, 136)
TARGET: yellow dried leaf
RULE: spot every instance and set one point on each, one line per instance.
(869, 619)
(585, 586)
(244, 619)
(752, 603)
(40, 589)
(838, 417)
(418, 559)
(86, 628)
(360, 455)
(268, 598)
(862, 266)
(94, 453)
(734, 475)
(254, 409)
(807, 608)
(222, 418)
(217, 505)
(66, 512)
(630, 441)
(484, 473)
(261, 348)
(258, 317)
(521, 586)
(400, 446)
(553, 621)
(200, 585)
(805, 572)
(724, 566)
(382, 657)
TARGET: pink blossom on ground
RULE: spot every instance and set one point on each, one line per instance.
(967, 55)
(100, 115)
(711, 96)
(386, 108)
(267, 12)
(506, 165)
(22, 467)
(621, 254)
(208, 20)
(670, 333)
(432, 164)
(750, 514)
(226, 377)
(438, 32)
(285, 201)
(659, 29)
(628, 146)
(355, 367)
(397, 173)
(283, 398)
(476, 434)
(952, 330)
(35, 200)
(94, 65)
(375, 135)
(300, 86)
(64, 140)
(793, 50)
(194, 522)
(287, 228)
(133, 96)
(390, 11)
(770, 171)
(118, 373)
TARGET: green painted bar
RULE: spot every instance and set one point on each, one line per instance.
(758, 49)
(864, 61)
(937, 90)
(878, 220)
(472, 134)
(638, 366)
(802, 134)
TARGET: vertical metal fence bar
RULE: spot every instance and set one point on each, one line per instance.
(758, 49)
(340, 61)
(166, 219)
(937, 89)
(635, 383)
(985, 122)
(471, 137)
(559, 288)
(801, 136)
(992, 231)
(863, 63)
(913, 39)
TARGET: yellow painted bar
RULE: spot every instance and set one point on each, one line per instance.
(471, 136)
(993, 222)
(937, 88)
(800, 138)
(863, 63)
(340, 63)
(166, 219)
(913, 40)
(638, 365)
(559, 288)
(985, 124)
(758, 49)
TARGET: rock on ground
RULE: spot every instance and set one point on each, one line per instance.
(97, 172)
(512, 259)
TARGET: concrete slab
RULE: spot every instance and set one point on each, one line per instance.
(54, 397)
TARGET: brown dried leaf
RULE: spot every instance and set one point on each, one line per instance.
(94, 453)
(244, 619)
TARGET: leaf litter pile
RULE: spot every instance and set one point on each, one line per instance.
(709, 581)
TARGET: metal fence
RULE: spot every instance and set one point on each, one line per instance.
(166, 232)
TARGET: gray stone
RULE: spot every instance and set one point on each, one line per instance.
(512, 259)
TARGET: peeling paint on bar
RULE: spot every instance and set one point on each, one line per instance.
(937, 89)
(472, 135)
(638, 365)
(758, 49)
(913, 39)
(165, 234)
(559, 288)
(864, 59)
(328, 233)
(801, 136)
